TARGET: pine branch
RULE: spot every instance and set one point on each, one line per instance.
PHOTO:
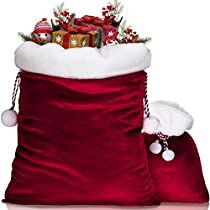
(100, 38)
(118, 9)
(121, 9)
(145, 40)
(59, 9)
(73, 15)
(33, 36)
(24, 37)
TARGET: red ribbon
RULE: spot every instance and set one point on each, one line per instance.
(79, 29)
(90, 20)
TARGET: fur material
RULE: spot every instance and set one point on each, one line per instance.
(173, 119)
(9, 118)
(82, 63)
(150, 125)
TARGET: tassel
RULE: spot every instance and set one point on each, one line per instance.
(9, 116)
(168, 155)
(151, 125)
(156, 147)
(162, 145)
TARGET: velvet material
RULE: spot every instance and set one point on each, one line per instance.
(79, 142)
(180, 180)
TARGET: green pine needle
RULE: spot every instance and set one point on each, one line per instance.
(24, 37)
(100, 38)
(145, 40)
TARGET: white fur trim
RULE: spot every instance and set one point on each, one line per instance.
(173, 119)
(82, 63)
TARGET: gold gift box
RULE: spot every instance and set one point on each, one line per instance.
(68, 40)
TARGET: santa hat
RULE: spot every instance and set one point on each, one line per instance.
(42, 27)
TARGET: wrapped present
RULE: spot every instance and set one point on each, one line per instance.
(109, 31)
(75, 37)
(58, 37)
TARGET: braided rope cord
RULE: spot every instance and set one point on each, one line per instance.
(160, 135)
(15, 90)
(146, 101)
(164, 139)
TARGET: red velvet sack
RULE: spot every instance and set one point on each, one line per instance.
(180, 180)
(79, 142)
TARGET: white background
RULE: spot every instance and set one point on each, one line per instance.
(180, 66)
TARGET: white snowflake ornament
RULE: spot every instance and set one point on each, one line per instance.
(74, 42)
(58, 39)
(84, 43)
(110, 34)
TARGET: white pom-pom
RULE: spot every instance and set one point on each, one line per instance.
(150, 125)
(9, 118)
(168, 155)
(155, 147)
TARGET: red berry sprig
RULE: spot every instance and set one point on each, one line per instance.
(109, 14)
(130, 36)
(63, 17)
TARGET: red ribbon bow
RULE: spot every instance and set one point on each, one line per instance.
(79, 29)
(90, 20)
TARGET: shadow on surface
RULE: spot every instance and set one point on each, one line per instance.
(165, 206)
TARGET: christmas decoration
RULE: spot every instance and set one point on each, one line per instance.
(110, 32)
(25, 37)
(76, 36)
(9, 118)
(100, 37)
(168, 155)
(112, 12)
(156, 147)
(128, 35)
(151, 124)
(63, 17)
(90, 106)
(42, 32)
(107, 30)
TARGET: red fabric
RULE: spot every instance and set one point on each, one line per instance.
(180, 180)
(109, 32)
(79, 142)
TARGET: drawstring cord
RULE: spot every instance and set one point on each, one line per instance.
(146, 101)
(9, 116)
(161, 144)
(15, 90)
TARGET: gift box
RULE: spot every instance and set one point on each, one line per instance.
(109, 32)
(59, 36)
(75, 37)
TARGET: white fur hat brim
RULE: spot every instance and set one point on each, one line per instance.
(173, 119)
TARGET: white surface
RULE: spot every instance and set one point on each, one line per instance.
(82, 63)
(180, 68)
(173, 119)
